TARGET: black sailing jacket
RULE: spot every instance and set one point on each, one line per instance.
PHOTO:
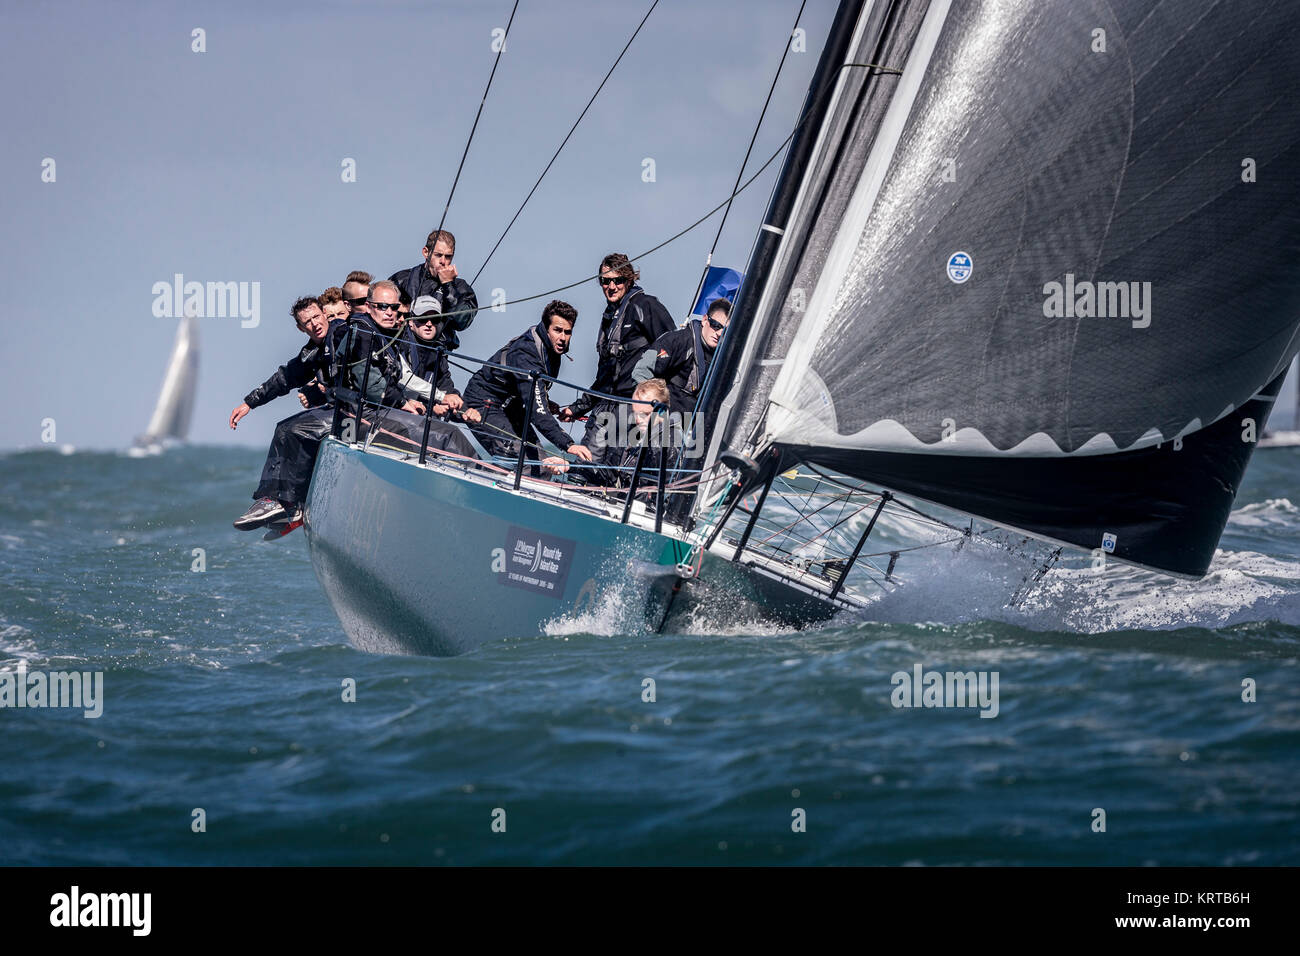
(529, 352)
(627, 329)
(459, 303)
(681, 358)
(345, 359)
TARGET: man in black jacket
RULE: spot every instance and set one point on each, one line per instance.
(682, 357)
(502, 397)
(632, 321)
(310, 318)
(339, 360)
(430, 379)
(437, 276)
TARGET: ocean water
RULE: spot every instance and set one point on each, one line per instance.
(1119, 692)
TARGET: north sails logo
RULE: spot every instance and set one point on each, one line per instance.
(960, 267)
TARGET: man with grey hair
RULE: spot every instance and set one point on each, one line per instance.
(365, 341)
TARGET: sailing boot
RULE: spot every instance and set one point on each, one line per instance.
(263, 510)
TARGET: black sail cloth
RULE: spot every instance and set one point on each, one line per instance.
(1140, 161)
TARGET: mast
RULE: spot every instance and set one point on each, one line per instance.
(843, 108)
(727, 362)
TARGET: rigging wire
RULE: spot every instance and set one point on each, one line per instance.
(749, 151)
(502, 237)
(708, 215)
(400, 327)
(495, 64)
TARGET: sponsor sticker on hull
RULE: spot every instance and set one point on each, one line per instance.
(537, 562)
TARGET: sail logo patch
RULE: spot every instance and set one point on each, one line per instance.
(537, 562)
(960, 267)
(1108, 543)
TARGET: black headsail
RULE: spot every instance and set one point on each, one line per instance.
(846, 98)
(1063, 288)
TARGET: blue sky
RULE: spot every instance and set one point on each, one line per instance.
(226, 165)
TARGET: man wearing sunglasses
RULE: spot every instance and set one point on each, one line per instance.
(632, 320)
(682, 357)
(356, 288)
(437, 277)
(430, 372)
(384, 307)
(340, 361)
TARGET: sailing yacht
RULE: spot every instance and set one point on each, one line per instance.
(1033, 263)
(170, 422)
(1284, 424)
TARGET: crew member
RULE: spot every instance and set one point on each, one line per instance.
(430, 378)
(300, 369)
(286, 475)
(682, 357)
(356, 287)
(437, 277)
(502, 397)
(332, 304)
(632, 321)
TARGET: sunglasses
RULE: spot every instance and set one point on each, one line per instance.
(424, 320)
(715, 324)
(386, 306)
(617, 280)
(357, 301)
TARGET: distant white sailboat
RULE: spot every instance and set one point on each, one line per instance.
(1284, 423)
(170, 423)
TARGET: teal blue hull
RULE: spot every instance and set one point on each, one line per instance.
(420, 560)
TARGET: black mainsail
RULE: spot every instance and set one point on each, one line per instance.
(1048, 275)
